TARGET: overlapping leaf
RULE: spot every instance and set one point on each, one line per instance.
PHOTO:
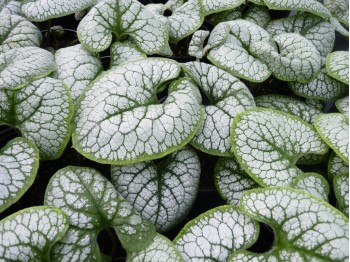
(309, 228)
(228, 96)
(221, 231)
(235, 56)
(19, 163)
(336, 166)
(122, 53)
(29, 234)
(338, 66)
(297, 59)
(162, 193)
(268, 143)
(10, 7)
(77, 67)
(121, 19)
(42, 111)
(41, 10)
(20, 66)
(16, 31)
(119, 121)
(196, 45)
(214, 6)
(343, 105)
(334, 130)
(313, 184)
(92, 204)
(341, 191)
(339, 9)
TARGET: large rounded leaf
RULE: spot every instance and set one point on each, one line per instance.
(19, 163)
(341, 191)
(215, 234)
(119, 121)
(20, 66)
(92, 204)
(338, 66)
(42, 111)
(77, 67)
(29, 234)
(122, 18)
(334, 130)
(301, 222)
(16, 31)
(162, 193)
(268, 143)
(41, 10)
(228, 96)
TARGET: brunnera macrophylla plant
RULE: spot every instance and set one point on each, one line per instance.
(192, 92)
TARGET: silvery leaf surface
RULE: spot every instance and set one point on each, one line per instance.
(19, 163)
(235, 57)
(336, 166)
(122, 18)
(214, 6)
(10, 7)
(29, 234)
(337, 66)
(343, 105)
(228, 96)
(123, 53)
(221, 231)
(339, 9)
(314, 28)
(231, 180)
(289, 105)
(119, 120)
(92, 204)
(334, 130)
(257, 14)
(195, 47)
(41, 10)
(16, 31)
(339, 27)
(217, 36)
(297, 58)
(268, 143)
(162, 193)
(77, 68)
(341, 191)
(20, 66)
(302, 223)
(42, 111)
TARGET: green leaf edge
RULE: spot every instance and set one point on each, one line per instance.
(330, 72)
(225, 8)
(125, 62)
(329, 166)
(320, 177)
(233, 142)
(337, 194)
(30, 179)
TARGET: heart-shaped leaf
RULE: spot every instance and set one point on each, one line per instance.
(268, 143)
(289, 105)
(338, 66)
(313, 184)
(297, 58)
(121, 18)
(162, 193)
(132, 126)
(314, 28)
(215, 234)
(231, 180)
(341, 191)
(312, 6)
(161, 249)
(77, 67)
(336, 166)
(20, 66)
(302, 223)
(92, 204)
(217, 36)
(29, 234)
(17, 32)
(41, 10)
(42, 111)
(123, 52)
(195, 47)
(19, 163)
(339, 9)
(234, 56)
(10, 7)
(228, 96)
(343, 105)
(334, 130)
(215, 6)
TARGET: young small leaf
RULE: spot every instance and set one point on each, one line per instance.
(42, 111)
(19, 163)
(334, 130)
(163, 193)
(123, 52)
(77, 67)
(195, 47)
(29, 234)
(268, 143)
(341, 191)
(338, 66)
(343, 105)
(215, 234)
(20, 66)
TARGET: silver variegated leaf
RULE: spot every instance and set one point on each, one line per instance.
(195, 47)
(42, 111)
(123, 52)
(10, 7)
(162, 193)
(339, 27)
(343, 105)
(258, 15)
(339, 9)
(336, 166)
(341, 191)
(215, 6)
(19, 163)
(338, 66)
(268, 143)
(217, 36)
